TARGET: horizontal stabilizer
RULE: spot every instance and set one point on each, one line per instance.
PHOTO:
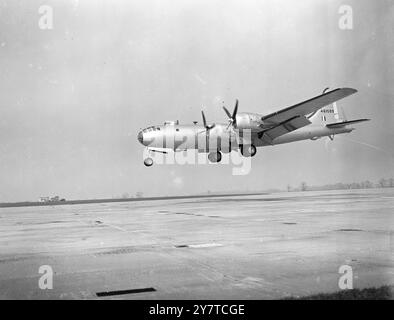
(344, 123)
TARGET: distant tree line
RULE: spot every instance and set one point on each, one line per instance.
(127, 195)
(382, 183)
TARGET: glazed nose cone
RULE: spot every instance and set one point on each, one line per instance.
(140, 137)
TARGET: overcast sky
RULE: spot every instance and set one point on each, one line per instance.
(73, 98)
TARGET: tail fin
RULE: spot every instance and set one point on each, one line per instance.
(328, 114)
(340, 114)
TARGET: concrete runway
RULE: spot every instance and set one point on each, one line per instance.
(243, 247)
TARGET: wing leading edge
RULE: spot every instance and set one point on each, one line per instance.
(309, 106)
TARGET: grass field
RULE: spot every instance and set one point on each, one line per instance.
(381, 293)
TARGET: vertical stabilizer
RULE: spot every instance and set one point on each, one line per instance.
(340, 114)
(328, 114)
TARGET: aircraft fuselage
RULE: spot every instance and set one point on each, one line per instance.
(185, 137)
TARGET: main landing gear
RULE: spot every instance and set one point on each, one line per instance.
(248, 150)
(215, 156)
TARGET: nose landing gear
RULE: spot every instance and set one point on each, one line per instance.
(148, 162)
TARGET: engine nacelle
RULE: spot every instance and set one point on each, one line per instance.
(249, 121)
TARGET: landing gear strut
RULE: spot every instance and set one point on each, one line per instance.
(215, 156)
(248, 150)
(149, 161)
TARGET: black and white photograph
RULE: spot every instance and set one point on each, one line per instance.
(213, 152)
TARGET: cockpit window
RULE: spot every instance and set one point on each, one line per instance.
(152, 128)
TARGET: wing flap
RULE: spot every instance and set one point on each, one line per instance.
(283, 128)
(306, 107)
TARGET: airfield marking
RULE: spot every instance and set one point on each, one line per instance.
(120, 292)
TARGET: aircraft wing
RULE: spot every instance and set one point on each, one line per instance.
(308, 106)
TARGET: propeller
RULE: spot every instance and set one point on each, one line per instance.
(204, 121)
(232, 117)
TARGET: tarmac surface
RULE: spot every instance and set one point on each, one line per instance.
(241, 247)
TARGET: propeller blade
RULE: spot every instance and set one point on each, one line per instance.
(227, 112)
(235, 110)
(232, 117)
(204, 121)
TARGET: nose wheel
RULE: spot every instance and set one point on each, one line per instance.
(215, 156)
(148, 162)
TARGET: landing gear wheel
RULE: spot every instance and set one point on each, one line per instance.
(248, 150)
(148, 162)
(215, 156)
